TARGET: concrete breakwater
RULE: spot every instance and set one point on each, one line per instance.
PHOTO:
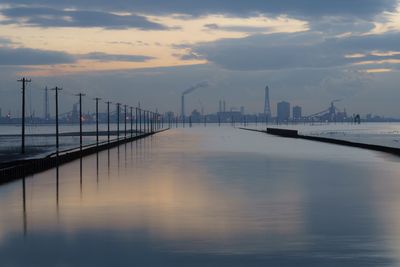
(17, 169)
(294, 134)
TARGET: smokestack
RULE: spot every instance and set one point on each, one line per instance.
(188, 91)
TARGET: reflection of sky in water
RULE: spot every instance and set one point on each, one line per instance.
(202, 196)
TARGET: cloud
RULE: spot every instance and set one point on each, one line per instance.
(5, 41)
(297, 50)
(26, 56)
(115, 57)
(307, 8)
(237, 28)
(51, 17)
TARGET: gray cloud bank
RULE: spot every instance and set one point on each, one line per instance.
(51, 17)
(305, 8)
(297, 50)
(10, 56)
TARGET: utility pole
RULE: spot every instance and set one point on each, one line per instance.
(144, 122)
(56, 89)
(125, 119)
(24, 81)
(80, 119)
(151, 121)
(97, 120)
(148, 121)
(118, 111)
(140, 120)
(108, 120)
(131, 121)
(136, 121)
(146, 115)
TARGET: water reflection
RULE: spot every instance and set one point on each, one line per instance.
(108, 163)
(24, 216)
(185, 204)
(81, 176)
(58, 192)
(97, 170)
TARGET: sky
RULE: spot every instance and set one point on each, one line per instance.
(309, 52)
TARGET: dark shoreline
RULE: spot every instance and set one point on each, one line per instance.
(294, 134)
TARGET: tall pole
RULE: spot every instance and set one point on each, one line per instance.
(131, 121)
(118, 111)
(140, 120)
(145, 123)
(136, 121)
(108, 121)
(152, 121)
(80, 119)
(125, 119)
(24, 81)
(97, 120)
(148, 120)
(56, 89)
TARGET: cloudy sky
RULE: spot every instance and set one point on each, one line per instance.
(308, 51)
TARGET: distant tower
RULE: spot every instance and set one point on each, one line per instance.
(267, 107)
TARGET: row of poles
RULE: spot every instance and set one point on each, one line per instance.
(145, 121)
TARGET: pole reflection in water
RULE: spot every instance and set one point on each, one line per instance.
(125, 152)
(118, 159)
(97, 170)
(24, 215)
(108, 163)
(81, 175)
(57, 193)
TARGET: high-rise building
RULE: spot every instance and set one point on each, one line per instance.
(297, 113)
(283, 111)
(267, 107)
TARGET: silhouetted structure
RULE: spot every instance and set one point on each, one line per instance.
(283, 111)
(267, 107)
(297, 113)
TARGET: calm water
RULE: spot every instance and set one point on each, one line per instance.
(208, 197)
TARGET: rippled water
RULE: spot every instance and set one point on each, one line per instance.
(208, 197)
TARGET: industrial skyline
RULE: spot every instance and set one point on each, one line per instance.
(283, 112)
